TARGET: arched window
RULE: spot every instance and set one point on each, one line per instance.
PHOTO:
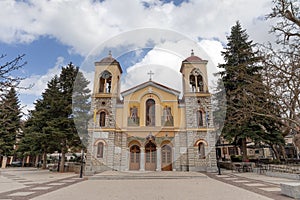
(100, 148)
(201, 150)
(102, 119)
(150, 112)
(196, 81)
(105, 82)
(199, 118)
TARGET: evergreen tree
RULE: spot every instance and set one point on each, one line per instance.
(38, 137)
(10, 122)
(62, 126)
(51, 125)
(81, 107)
(245, 93)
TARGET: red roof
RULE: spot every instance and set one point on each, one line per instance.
(109, 60)
(193, 59)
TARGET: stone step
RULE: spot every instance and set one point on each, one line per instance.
(146, 175)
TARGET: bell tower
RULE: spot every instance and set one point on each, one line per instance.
(102, 129)
(107, 78)
(194, 75)
(200, 137)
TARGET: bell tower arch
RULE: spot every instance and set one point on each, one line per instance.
(107, 77)
(194, 75)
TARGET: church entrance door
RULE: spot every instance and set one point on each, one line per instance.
(166, 158)
(134, 158)
(150, 161)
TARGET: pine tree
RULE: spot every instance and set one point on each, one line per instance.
(51, 125)
(10, 122)
(81, 107)
(63, 126)
(245, 93)
(38, 137)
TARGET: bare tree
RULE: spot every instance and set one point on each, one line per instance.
(7, 78)
(282, 65)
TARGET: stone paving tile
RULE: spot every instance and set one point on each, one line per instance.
(231, 178)
(267, 189)
(223, 176)
(55, 184)
(21, 194)
(40, 188)
(255, 184)
(67, 181)
(241, 181)
(35, 189)
(272, 189)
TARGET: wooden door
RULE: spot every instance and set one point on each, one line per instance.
(166, 158)
(134, 158)
(150, 161)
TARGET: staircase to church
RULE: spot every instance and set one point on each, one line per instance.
(96, 166)
(137, 175)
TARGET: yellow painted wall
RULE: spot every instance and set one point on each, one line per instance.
(139, 98)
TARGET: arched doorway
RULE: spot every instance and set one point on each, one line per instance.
(134, 158)
(166, 158)
(150, 161)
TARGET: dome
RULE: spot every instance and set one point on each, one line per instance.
(193, 58)
(109, 59)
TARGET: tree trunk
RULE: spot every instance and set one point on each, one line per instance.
(36, 162)
(275, 151)
(62, 160)
(44, 160)
(4, 161)
(283, 151)
(24, 161)
(244, 150)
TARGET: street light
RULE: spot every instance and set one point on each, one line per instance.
(218, 157)
(81, 164)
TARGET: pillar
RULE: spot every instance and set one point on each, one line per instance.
(142, 161)
(158, 158)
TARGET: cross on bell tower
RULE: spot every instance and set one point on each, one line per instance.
(150, 74)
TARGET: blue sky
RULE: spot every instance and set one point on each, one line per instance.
(144, 33)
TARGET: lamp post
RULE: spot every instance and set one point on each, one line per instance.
(81, 164)
(58, 164)
(218, 157)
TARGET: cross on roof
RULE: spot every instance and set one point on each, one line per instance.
(150, 74)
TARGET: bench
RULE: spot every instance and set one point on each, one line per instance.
(291, 189)
(237, 167)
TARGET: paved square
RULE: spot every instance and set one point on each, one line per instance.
(21, 194)
(231, 178)
(223, 176)
(67, 181)
(272, 189)
(241, 181)
(54, 184)
(40, 188)
(255, 184)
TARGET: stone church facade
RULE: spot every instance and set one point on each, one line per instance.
(151, 128)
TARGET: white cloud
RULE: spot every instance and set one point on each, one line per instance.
(82, 25)
(39, 82)
(91, 26)
(165, 61)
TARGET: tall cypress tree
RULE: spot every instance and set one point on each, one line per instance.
(10, 122)
(245, 92)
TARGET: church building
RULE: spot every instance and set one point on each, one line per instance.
(149, 127)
